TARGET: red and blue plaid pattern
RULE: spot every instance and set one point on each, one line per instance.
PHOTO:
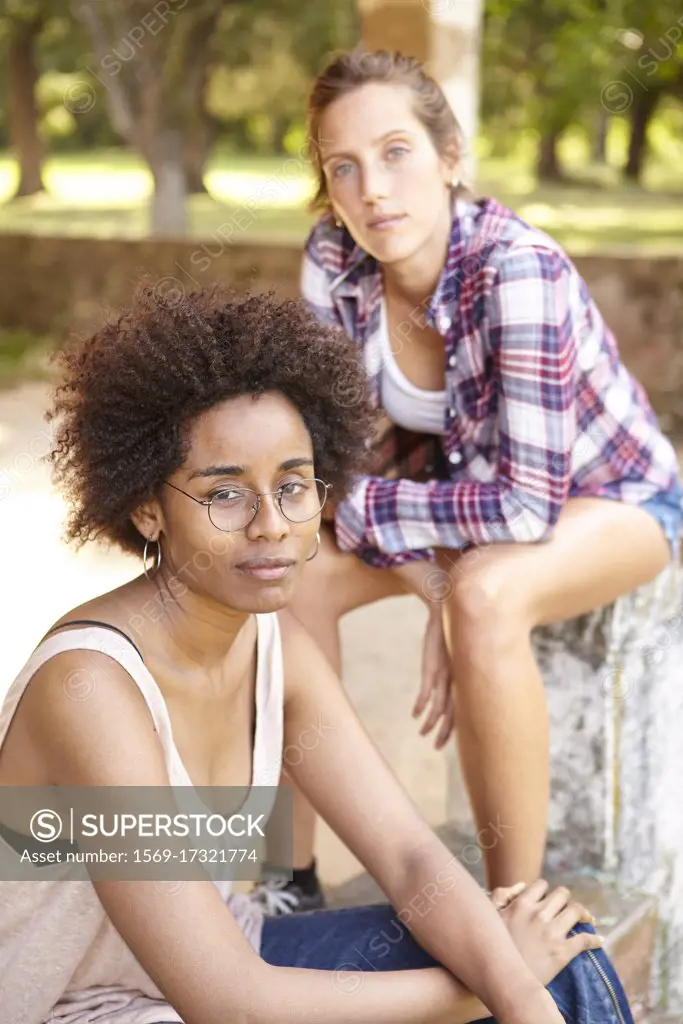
(539, 406)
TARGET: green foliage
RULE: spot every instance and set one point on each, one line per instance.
(548, 64)
(23, 356)
(269, 52)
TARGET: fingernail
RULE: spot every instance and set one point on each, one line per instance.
(601, 939)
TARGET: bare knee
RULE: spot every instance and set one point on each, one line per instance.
(486, 611)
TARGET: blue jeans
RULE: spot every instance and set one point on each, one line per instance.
(373, 939)
(667, 509)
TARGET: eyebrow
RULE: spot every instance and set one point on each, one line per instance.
(380, 138)
(241, 470)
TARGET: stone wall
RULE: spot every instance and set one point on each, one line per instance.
(63, 284)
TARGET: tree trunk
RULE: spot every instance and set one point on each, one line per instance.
(201, 127)
(599, 153)
(640, 114)
(157, 101)
(280, 129)
(169, 201)
(22, 110)
(198, 146)
(548, 167)
(195, 178)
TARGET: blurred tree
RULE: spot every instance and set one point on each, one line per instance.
(268, 54)
(547, 59)
(154, 62)
(653, 63)
(22, 113)
(549, 64)
(21, 22)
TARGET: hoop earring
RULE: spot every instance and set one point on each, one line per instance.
(157, 559)
(317, 547)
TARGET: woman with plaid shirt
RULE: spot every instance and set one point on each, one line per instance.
(522, 479)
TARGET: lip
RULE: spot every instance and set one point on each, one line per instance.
(266, 568)
(385, 223)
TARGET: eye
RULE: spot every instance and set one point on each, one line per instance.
(295, 488)
(396, 152)
(341, 170)
(229, 496)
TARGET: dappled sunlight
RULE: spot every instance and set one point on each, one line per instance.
(97, 186)
(106, 194)
(282, 188)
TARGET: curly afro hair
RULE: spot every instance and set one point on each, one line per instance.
(129, 394)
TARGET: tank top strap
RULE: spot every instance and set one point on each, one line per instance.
(102, 640)
(270, 700)
(269, 697)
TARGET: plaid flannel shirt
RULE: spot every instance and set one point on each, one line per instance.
(539, 407)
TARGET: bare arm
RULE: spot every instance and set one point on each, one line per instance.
(189, 943)
(352, 787)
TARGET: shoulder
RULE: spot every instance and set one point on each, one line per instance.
(489, 239)
(82, 711)
(303, 661)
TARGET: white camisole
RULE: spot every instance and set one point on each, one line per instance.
(61, 959)
(407, 405)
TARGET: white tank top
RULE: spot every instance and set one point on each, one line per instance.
(405, 404)
(61, 959)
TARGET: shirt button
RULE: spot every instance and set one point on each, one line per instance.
(455, 458)
(445, 323)
(451, 361)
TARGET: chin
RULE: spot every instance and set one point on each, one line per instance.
(262, 598)
(395, 250)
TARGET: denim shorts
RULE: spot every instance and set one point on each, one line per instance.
(667, 508)
(358, 939)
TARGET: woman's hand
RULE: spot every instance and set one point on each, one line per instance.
(539, 922)
(436, 689)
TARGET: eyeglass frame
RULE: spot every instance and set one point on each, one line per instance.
(207, 502)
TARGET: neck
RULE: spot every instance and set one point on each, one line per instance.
(198, 632)
(415, 278)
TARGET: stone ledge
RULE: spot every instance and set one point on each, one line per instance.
(57, 284)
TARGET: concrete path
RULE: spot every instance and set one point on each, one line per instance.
(42, 578)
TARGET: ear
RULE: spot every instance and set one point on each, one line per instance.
(338, 222)
(148, 519)
(450, 161)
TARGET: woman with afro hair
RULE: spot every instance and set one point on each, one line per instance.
(204, 435)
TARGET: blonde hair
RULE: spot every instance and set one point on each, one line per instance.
(358, 67)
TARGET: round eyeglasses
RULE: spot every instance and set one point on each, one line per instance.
(233, 508)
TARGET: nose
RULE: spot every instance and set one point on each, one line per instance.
(374, 184)
(268, 523)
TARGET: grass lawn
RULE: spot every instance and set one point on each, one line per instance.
(24, 356)
(105, 194)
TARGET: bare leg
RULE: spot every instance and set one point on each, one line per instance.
(334, 584)
(600, 549)
(502, 737)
